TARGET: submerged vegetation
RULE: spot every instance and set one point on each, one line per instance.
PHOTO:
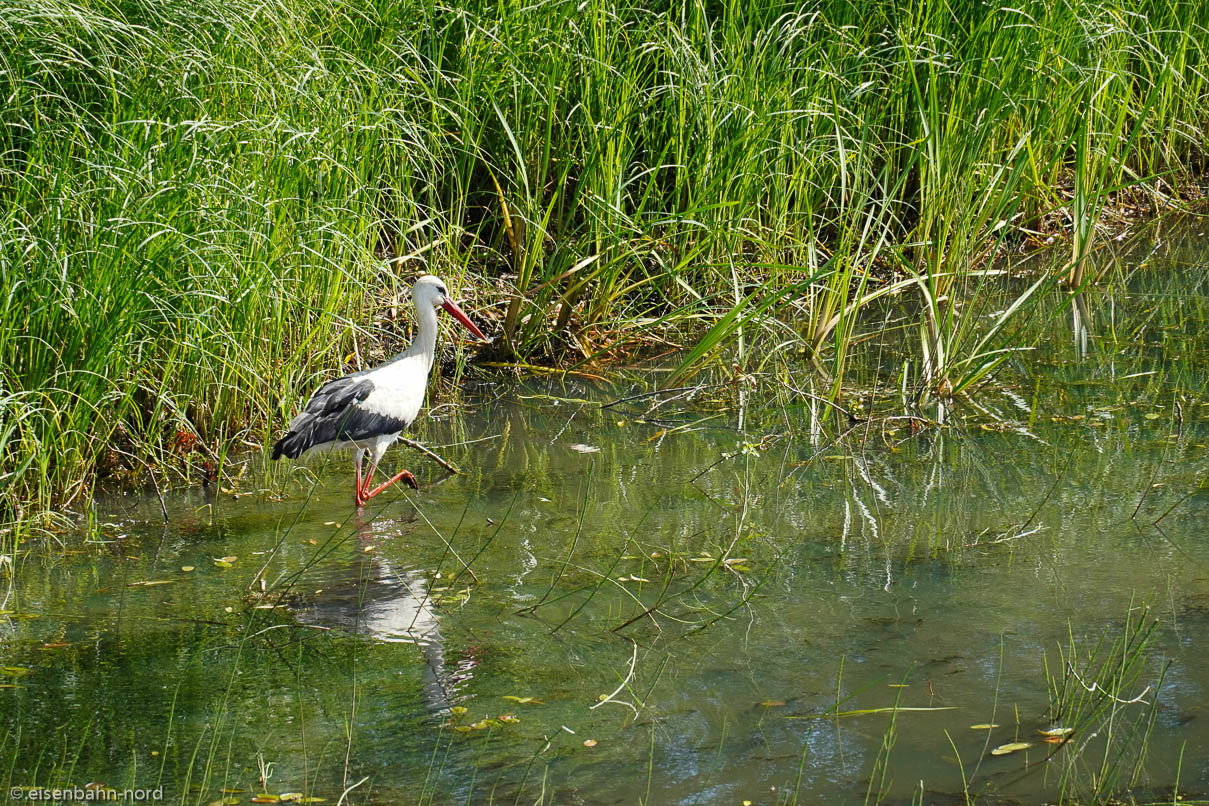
(207, 205)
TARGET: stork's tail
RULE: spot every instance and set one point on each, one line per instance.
(291, 445)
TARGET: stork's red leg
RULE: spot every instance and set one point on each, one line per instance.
(359, 495)
(364, 485)
(404, 475)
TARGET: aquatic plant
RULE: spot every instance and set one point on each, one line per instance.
(209, 206)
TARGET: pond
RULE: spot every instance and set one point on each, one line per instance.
(640, 603)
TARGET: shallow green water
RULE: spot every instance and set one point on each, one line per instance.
(946, 569)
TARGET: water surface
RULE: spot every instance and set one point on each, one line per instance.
(667, 609)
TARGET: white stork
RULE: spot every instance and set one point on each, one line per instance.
(366, 411)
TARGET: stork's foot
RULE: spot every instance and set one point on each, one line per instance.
(364, 493)
(404, 476)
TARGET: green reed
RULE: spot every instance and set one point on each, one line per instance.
(1096, 692)
(209, 207)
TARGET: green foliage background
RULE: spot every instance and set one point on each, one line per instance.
(206, 206)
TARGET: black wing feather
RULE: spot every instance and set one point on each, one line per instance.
(332, 415)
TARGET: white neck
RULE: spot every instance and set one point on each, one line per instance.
(425, 342)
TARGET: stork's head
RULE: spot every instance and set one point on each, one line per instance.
(431, 291)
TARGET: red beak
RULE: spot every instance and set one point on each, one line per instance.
(456, 312)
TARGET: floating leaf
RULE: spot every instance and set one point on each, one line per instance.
(148, 583)
(290, 797)
(266, 798)
(1010, 747)
(523, 700)
(589, 742)
(984, 726)
(1052, 732)
(887, 709)
(462, 728)
(772, 703)
(508, 719)
(186, 568)
(15, 671)
(482, 724)
(1154, 415)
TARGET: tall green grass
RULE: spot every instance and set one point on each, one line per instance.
(207, 206)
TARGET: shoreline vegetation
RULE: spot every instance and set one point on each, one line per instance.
(210, 206)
